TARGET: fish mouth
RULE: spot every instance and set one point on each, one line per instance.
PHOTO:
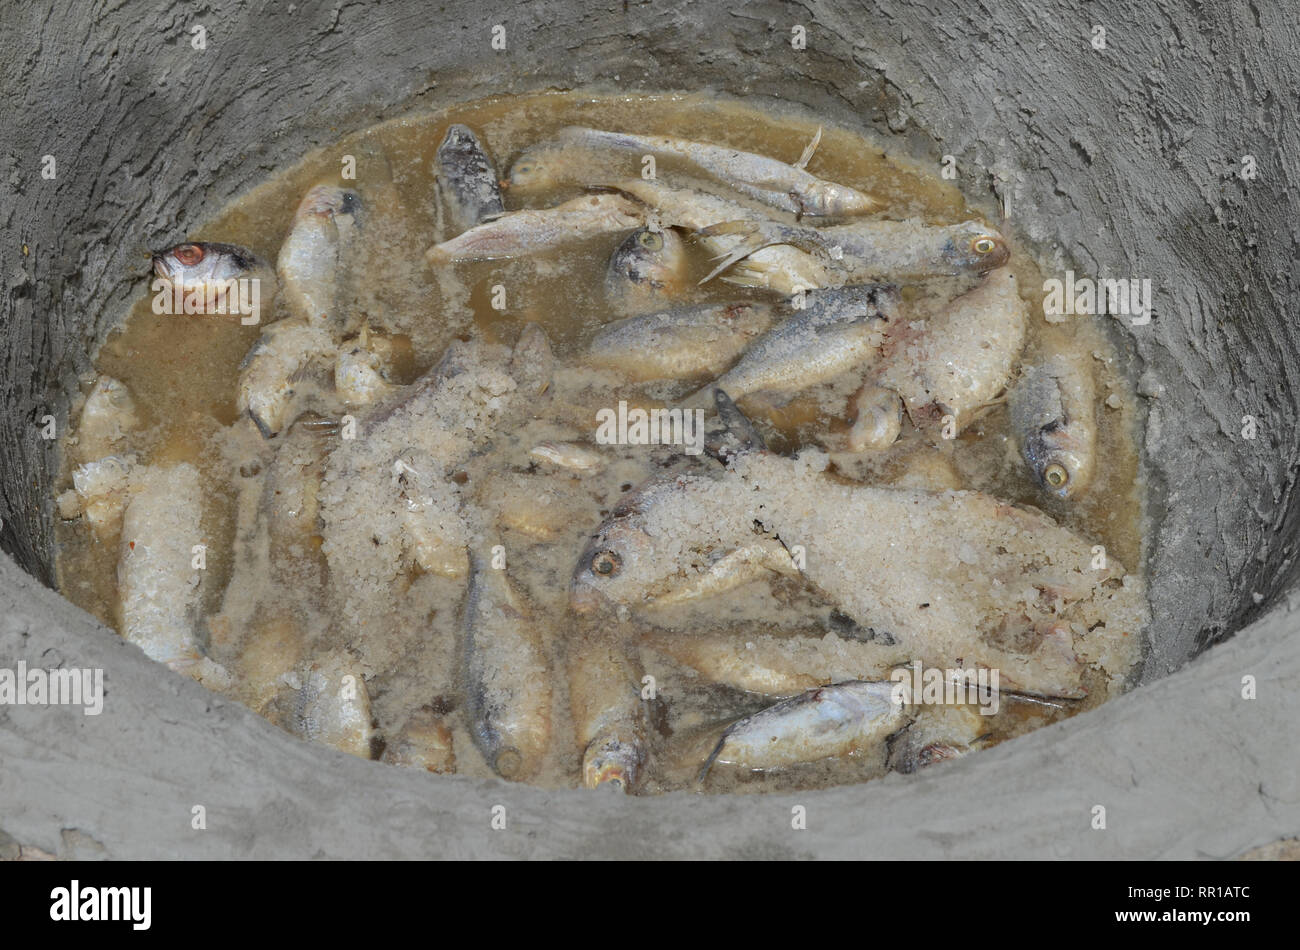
(160, 267)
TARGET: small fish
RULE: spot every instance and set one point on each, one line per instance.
(1054, 418)
(525, 232)
(781, 269)
(680, 343)
(272, 369)
(829, 721)
(466, 180)
(210, 268)
(159, 591)
(314, 255)
(788, 187)
(956, 578)
(569, 455)
(332, 705)
(646, 270)
(604, 679)
(107, 418)
(869, 250)
(506, 674)
(424, 742)
(660, 541)
(957, 362)
(838, 330)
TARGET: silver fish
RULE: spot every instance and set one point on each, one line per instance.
(208, 267)
(779, 268)
(1054, 418)
(870, 250)
(785, 186)
(680, 343)
(838, 330)
(958, 361)
(466, 180)
(529, 231)
(314, 255)
(506, 674)
(829, 721)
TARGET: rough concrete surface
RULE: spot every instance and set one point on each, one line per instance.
(1122, 162)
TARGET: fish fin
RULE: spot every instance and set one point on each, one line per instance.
(753, 239)
(738, 435)
(809, 149)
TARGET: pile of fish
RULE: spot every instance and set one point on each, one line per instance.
(371, 482)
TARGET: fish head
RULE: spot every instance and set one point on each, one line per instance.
(1060, 465)
(973, 247)
(622, 564)
(331, 203)
(202, 264)
(648, 263)
(531, 171)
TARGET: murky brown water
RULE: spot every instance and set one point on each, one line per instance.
(182, 372)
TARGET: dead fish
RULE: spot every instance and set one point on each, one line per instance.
(570, 456)
(272, 369)
(957, 362)
(466, 181)
(525, 232)
(829, 721)
(870, 250)
(550, 165)
(605, 703)
(779, 268)
(788, 187)
(159, 592)
(506, 676)
(837, 331)
(660, 541)
(1054, 418)
(680, 343)
(314, 255)
(332, 704)
(957, 578)
(107, 418)
(424, 742)
(646, 270)
(209, 269)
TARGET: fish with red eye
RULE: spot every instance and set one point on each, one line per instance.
(208, 265)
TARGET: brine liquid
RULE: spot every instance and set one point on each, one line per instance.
(182, 372)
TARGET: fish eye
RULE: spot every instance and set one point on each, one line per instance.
(188, 254)
(523, 169)
(1055, 475)
(983, 244)
(350, 202)
(606, 564)
(651, 241)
